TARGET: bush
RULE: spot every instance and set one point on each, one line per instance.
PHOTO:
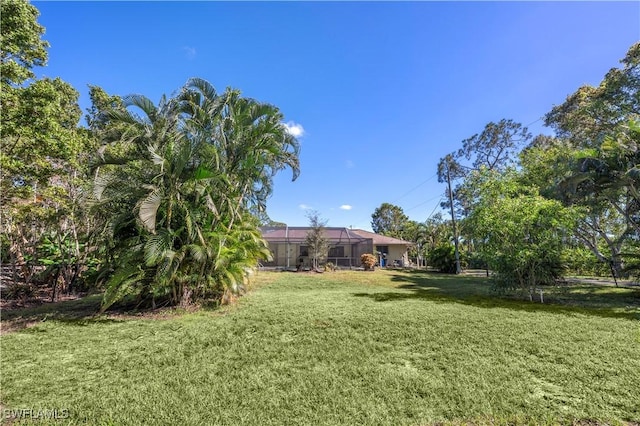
(581, 261)
(368, 260)
(476, 261)
(443, 258)
(329, 266)
(544, 271)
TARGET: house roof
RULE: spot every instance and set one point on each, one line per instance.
(380, 239)
(333, 234)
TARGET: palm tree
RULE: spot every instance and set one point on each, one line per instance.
(179, 185)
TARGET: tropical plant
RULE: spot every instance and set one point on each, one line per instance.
(178, 186)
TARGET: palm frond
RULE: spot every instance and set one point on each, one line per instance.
(149, 209)
(121, 285)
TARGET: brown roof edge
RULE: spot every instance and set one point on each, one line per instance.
(380, 239)
(291, 234)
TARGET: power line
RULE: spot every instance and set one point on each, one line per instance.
(415, 187)
(424, 202)
(534, 122)
(434, 209)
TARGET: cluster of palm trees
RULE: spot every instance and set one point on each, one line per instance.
(178, 186)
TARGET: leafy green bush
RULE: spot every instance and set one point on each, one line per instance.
(581, 261)
(443, 258)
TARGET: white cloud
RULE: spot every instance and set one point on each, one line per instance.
(346, 207)
(305, 207)
(296, 130)
(190, 52)
(349, 164)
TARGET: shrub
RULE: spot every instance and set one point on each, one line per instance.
(443, 258)
(368, 260)
(329, 266)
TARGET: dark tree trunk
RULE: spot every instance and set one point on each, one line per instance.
(185, 300)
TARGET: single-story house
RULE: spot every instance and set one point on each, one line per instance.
(346, 245)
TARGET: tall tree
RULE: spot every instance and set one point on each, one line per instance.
(43, 152)
(601, 125)
(495, 148)
(21, 40)
(591, 113)
(389, 219)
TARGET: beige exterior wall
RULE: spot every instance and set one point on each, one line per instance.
(398, 252)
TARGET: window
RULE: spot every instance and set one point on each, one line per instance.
(304, 250)
(337, 251)
(382, 249)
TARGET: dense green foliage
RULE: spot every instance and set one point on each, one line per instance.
(519, 233)
(389, 219)
(601, 124)
(179, 184)
(22, 46)
(158, 202)
(442, 257)
(43, 161)
(564, 195)
(369, 348)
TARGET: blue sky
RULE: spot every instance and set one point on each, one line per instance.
(383, 90)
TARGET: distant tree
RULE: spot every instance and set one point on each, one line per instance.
(316, 240)
(390, 220)
(273, 223)
(495, 148)
(265, 220)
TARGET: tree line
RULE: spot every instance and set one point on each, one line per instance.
(155, 204)
(531, 208)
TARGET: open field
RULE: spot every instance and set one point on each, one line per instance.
(373, 348)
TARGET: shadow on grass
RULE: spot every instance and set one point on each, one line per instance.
(82, 311)
(596, 300)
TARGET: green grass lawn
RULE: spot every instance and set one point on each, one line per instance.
(372, 348)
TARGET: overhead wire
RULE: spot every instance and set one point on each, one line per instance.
(439, 196)
(415, 187)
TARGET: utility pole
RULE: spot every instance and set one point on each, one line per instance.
(453, 221)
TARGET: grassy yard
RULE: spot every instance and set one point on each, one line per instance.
(365, 348)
